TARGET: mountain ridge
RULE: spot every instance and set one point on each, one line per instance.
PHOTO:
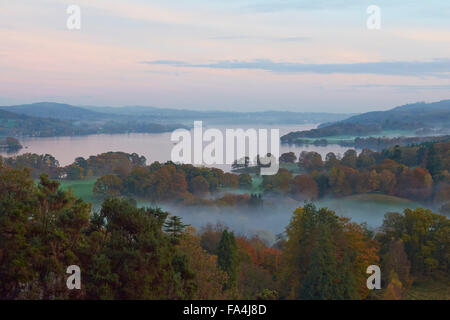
(421, 117)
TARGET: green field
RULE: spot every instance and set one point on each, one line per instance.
(81, 188)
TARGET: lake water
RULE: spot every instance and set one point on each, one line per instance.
(153, 146)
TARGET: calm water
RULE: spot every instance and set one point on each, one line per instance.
(154, 146)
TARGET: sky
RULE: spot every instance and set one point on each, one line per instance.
(226, 55)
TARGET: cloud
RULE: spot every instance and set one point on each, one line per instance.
(399, 68)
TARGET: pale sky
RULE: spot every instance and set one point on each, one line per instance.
(242, 55)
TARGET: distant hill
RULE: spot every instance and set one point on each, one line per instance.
(55, 111)
(421, 117)
(66, 120)
(13, 124)
(223, 117)
(167, 116)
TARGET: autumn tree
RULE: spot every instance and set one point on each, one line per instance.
(109, 185)
(209, 279)
(425, 238)
(199, 186)
(397, 266)
(304, 187)
(310, 161)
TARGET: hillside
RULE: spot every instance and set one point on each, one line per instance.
(223, 117)
(423, 118)
(55, 111)
(166, 116)
(72, 121)
(12, 124)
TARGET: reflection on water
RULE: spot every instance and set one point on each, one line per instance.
(153, 146)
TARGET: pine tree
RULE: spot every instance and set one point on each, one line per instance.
(227, 258)
(175, 228)
(434, 161)
(397, 154)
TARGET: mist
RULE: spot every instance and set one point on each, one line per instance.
(273, 217)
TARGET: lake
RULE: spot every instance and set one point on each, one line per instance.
(153, 146)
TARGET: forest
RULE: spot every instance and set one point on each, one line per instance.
(139, 252)
(130, 252)
(417, 172)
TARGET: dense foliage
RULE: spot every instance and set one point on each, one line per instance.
(127, 252)
(420, 173)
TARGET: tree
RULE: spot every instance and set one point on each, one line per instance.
(425, 238)
(228, 258)
(327, 279)
(17, 205)
(387, 181)
(135, 259)
(331, 160)
(175, 228)
(349, 159)
(199, 185)
(394, 290)
(41, 233)
(109, 185)
(324, 256)
(304, 187)
(415, 184)
(310, 161)
(365, 159)
(288, 157)
(396, 264)
(179, 184)
(74, 172)
(434, 161)
(396, 154)
(321, 281)
(278, 183)
(208, 278)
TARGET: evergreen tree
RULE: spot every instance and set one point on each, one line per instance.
(321, 283)
(397, 154)
(434, 161)
(227, 258)
(175, 228)
(347, 285)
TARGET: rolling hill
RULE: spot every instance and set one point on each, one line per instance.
(424, 118)
(55, 111)
(223, 117)
(65, 120)
(13, 124)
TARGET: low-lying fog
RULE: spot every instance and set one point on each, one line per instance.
(274, 216)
